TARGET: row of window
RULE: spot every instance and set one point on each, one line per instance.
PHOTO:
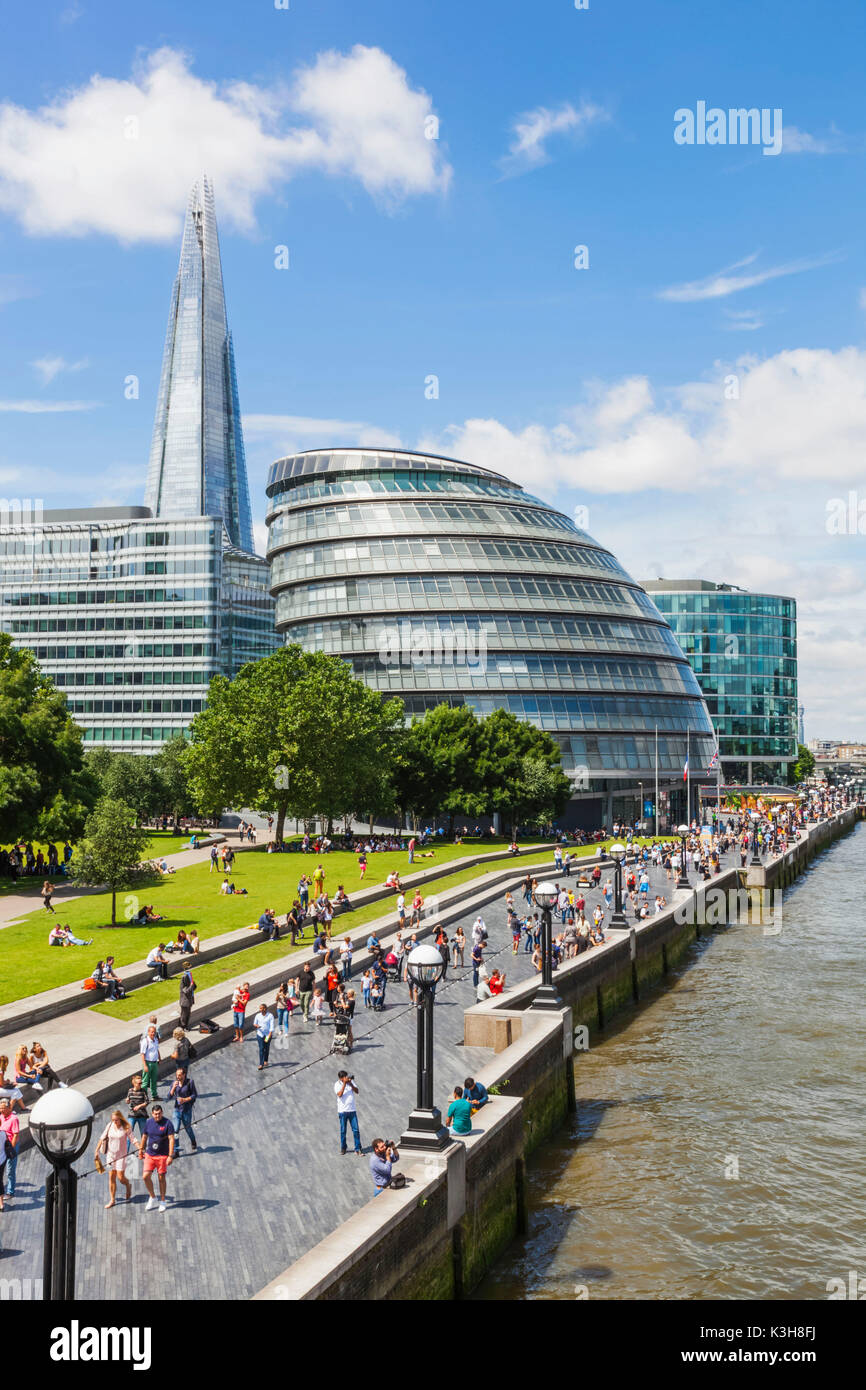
(169, 622)
(43, 540)
(189, 707)
(637, 752)
(125, 734)
(58, 597)
(430, 553)
(682, 606)
(55, 572)
(170, 677)
(291, 525)
(592, 674)
(592, 712)
(405, 590)
(350, 634)
(125, 650)
(374, 484)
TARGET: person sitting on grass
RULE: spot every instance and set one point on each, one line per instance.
(164, 867)
(227, 886)
(62, 936)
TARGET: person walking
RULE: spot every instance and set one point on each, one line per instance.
(346, 1091)
(184, 1052)
(346, 959)
(477, 961)
(47, 894)
(240, 999)
(306, 985)
(136, 1104)
(186, 997)
(9, 1134)
(158, 1141)
(214, 866)
(458, 946)
(264, 1026)
(148, 1048)
(115, 1142)
(185, 1095)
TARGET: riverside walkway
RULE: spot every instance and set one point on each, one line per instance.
(268, 1182)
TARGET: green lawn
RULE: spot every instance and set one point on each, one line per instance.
(188, 898)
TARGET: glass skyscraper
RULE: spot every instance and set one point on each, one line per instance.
(439, 581)
(132, 610)
(743, 649)
(197, 465)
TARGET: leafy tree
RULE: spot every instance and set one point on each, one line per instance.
(296, 733)
(510, 752)
(174, 780)
(437, 765)
(804, 767)
(130, 777)
(45, 791)
(110, 853)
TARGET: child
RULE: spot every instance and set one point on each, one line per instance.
(317, 1008)
(376, 995)
(366, 984)
(515, 934)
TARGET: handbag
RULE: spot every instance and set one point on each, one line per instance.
(132, 1167)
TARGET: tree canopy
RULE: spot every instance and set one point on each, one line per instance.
(45, 789)
(110, 853)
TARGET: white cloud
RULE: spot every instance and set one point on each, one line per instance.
(723, 282)
(798, 416)
(50, 367)
(532, 130)
(796, 141)
(45, 407)
(118, 156)
(287, 434)
(743, 320)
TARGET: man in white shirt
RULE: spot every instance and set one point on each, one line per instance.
(148, 1047)
(264, 1025)
(401, 909)
(345, 1090)
(479, 931)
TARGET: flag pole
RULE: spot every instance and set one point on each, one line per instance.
(688, 778)
(656, 802)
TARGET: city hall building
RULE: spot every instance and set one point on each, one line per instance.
(439, 581)
(743, 649)
(131, 610)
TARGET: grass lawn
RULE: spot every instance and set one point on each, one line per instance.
(188, 898)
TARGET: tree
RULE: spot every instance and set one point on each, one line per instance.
(174, 781)
(437, 765)
(130, 777)
(510, 752)
(45, 791)
(804, 767)
(110, 853)
(296, 733)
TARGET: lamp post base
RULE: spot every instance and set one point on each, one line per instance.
(547, 999)
(426, 1131)
(618, 922)
(683, 882)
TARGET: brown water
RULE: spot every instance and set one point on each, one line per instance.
(718, 1146)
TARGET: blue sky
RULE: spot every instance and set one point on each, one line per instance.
(602, 387)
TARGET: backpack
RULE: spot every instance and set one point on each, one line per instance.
(207, 1025)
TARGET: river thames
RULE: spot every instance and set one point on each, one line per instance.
(718, 1145)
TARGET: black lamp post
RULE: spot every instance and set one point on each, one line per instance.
(546, 996)
(60, 1123)
(683, 880)
(617, 854)
(425, 968)
(756, 858)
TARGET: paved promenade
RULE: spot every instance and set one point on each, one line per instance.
(268, 1181)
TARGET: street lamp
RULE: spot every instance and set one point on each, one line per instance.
(683, 880)
(60, 1123)
(546, 996)
(617, 854)
(756, 858)
(425, 968)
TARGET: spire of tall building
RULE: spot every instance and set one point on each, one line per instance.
(197, 463)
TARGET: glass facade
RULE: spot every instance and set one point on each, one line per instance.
(440, 581)
(132, 646)
(743, 649)
(197, 463)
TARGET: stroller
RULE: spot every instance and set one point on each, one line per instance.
(392, 967)
(340, 1043)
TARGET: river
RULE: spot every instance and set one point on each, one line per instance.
(718, 1145)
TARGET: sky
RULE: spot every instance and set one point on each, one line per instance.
(663, 331)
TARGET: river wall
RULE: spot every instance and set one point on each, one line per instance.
(437, 1237)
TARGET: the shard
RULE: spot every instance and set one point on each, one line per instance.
(197, 464)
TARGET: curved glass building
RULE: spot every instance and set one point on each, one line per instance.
(441, 581)
(743, 649)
